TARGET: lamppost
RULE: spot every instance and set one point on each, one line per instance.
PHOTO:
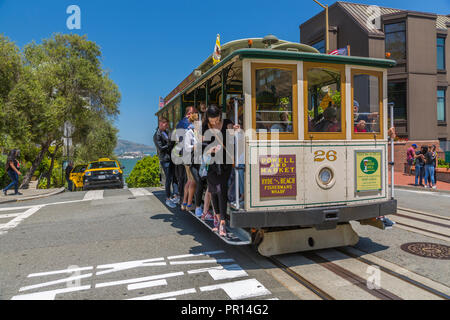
(327, 39)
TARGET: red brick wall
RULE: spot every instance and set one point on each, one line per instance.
(400, 149)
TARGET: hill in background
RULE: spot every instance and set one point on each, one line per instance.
(125, 146)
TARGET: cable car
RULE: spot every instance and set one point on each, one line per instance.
(315, 140)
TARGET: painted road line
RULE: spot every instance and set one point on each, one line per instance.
(196, 254)
(135, 280)
(242, 289)
(436, 193)
(166, 294)
(94, 195)
(148, 284)
(223, 272)
(8, 216)
(17, 220)
(387, 282)
(130, 265)
(139, 192)
(49, 295)
(201, 261)
(43, 274)
(50, 283)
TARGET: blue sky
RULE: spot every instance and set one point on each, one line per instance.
(150, 46)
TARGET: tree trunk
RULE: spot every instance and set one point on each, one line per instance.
(50, 170)
(35, 165)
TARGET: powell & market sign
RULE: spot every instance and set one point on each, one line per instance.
(278, 176)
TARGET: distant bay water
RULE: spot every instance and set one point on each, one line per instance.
(129, 165)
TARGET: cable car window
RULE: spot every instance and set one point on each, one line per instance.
(275, 100)
(367, 103)
(324, 100)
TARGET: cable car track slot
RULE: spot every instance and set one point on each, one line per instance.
(351, 277)
(310, 286)
(396, 275)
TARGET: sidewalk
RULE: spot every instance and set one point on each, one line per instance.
(405, 180)
(29, 194)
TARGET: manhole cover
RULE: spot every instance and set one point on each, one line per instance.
(428, 250)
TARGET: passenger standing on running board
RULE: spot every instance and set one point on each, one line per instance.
(214, 140)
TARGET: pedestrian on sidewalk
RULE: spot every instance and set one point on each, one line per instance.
(430, 160)
(69, 169)
(410, 157)
(12, 165)
(420, 166)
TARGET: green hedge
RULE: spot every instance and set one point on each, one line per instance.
(145, 173)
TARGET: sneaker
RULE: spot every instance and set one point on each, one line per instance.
(18, 194)
(175, 200)
(170, 204)
(434, 187)
(207, 216)
(387, 223)
(4, 192)
(198, 212)
(427, 187)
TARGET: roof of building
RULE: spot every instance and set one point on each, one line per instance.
(362, 13)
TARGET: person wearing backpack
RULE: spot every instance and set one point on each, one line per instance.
(12, 169)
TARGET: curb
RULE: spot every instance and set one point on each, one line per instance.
(44, 195)
(422, 189)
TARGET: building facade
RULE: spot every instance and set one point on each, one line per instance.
(418, 41)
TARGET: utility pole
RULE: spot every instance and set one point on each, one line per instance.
(327, 38)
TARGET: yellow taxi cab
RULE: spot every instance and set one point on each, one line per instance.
(103, 173)
(77, 175)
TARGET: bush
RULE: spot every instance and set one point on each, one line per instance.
(145, 173)
(443, 164)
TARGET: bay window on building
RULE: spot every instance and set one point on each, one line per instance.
(441, 114)
(395, 40)
(441, 53)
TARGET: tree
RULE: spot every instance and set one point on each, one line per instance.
(145, 173)
(96, 139)
(10, 69)
(62, 80)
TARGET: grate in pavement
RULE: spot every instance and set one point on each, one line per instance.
(427, 250)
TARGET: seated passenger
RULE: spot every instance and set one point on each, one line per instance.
(284, 126)
(361, 126)
(329, 123)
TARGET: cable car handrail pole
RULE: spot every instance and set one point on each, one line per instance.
(391, 106)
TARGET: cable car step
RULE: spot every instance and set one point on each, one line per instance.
(235, 236)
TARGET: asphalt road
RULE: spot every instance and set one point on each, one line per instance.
(109, 241)
(126, 244)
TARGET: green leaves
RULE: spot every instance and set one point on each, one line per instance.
(145, 173)
(50, 83)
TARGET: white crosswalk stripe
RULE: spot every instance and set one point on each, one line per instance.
(94, 195)
(139, 192)
(18, 219)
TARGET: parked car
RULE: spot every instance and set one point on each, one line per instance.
(103, 173)
(77, 176)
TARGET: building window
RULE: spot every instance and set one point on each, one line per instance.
(395, 40)
(441, 105)
(275, 100)
(319, 45)
(397, 95)
(441, 53)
